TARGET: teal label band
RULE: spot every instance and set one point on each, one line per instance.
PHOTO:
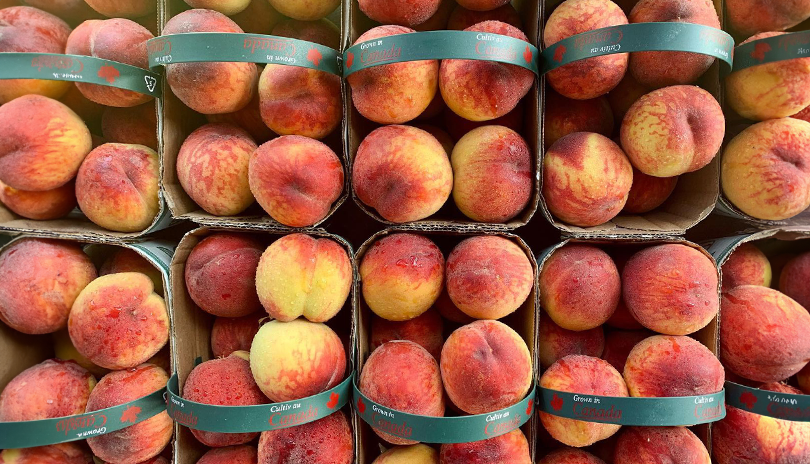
(158, 252)
(653, 412)
(640, 37)
(77, 68)
(80, 427)
(440, 45)
(767, 403)
(779, 48)
(260, 418)
(430, 429)
(196, 47)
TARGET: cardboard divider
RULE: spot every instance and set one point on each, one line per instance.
(694, 196)
(193, 334)
(523, 321)
(449, 216)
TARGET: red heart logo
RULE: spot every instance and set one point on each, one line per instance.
(361, 406)
(557, 402)
(333, 400)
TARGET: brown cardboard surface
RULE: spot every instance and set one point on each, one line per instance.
(449, 216)
(524, 321)
(193, 325)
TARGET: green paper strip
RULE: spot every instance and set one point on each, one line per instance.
(767, 403)
(650, 412)
(80, 427)
(640, 37)
(196, 47)
(440, 45)
(428, 429)
(259, 418)
(77, 68)
(779, 48)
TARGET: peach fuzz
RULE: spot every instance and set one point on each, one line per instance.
(141, 441)
(392, 93)
(297, 359)
(295, 179)
(42, 143)
(212, 167)
(248, 118)
(64, 350)
(224, 382)
(512, 448)
(642, 445)
(747, 265)
(118, 322)
(586, 179)
(439, 19)
(619, 344)
(117, 187)
(557, 343)
(457, 126)
(65, 453)
(590, 78)
(229, 334)
(50, 389)
(325, 440)
(426, 330)
(127, 260)
(492, 171)
(136, 125)
(420, 392)
(461, 18)
(570, 456)
(579, 287)
(407, 13)
(461, 361)
(565, 116)
(481, 5)
(414, 454)
(671, 289)
(40, 206)
(763, 334)
(210, 88)
(485, 90)
(794, 279)
(128, 9)
(749, 17)
(624, 95)
(226, 7)
(39, 281)
(489, 277)
(305, 10)
(258, 18)
(403, 173)
(672, 131)
(587, 376)
(648, 192)
(26, 29)
(240, 454)
(321, 31)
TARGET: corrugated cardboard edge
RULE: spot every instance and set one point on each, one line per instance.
(193, 320)
(363, 430)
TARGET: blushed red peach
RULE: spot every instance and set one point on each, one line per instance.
(400, 12)
(248, 118)
(445, 306)
(440, 134)
(128, 9)
(622, 318)
(482, 5)
(648, 192)
(749, 17)
(136, 125)
(461, 18)
(565, 116)
(747, 265)
(226, 7)
(511, 447)
(413, 454)
(424, 330)
(438, 21)
(258, 18)
(794, 279)
(63, 349)
(305, 10)
(238, 454)
(557, 343)
(624, 95)
(89, 111)
(619, 344)
(127, 260)
(229, 334)
(65, 453)
(647, 445)
(50, 389)
(570, 456)
(40, 206)
(72, 11)
(320, 31)
(325, 440)
(804, 114)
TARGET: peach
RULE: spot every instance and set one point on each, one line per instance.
(461, 18)
(749, 17)
(89, 111)
(240, 454)
(141, 441)
(413, 454)
(445, 306)
(803, 379)
(794, 278)
(457, 126)
(407, 13)
(672, 131)
(213, 87)
(489, 277)
(666, 366)
(747, 265)
(220, 274)
(42, 143)
(39, 281)
(224, 382)
(321, 31)
(324, 440)
(492, 168)
(403, 173)
(804, 114)
(305, 10)
(592, 77)
(622, 318)
(440, 134)
(297, 359)
(300, 275)
(117, 187)
(126, 260)
(26, 29)
(136, 125)
(50, 389)
(64, 350)
(565, 116)
(659, 69)
(419, 392)
(512, 448)
(295, 179)
(128, 9)
(212, 167)
(586, 179)
(226, 7)
(424, 330)
(462, 361)
(623, 96)
(485, 90)
(438, 21)
(392, 93)
(248, 118)
(762, 336)
(557, 343)
(570, 456)
(229, 334)
(482, 5)
(579, 287)
(258, 18)
(42, 205)
(656, 444)
(648, 192)
(65, 453)
(588, 376)
(671, 289)
(72, 11)
(619, 343)
(118, 322)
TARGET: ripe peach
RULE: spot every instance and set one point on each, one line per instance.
(72, 11)
(258, 18)
(747, 265)
(42, 205)
(622, 318)
(570, 456)
(229, 334)
(39, 281)
(321, 31)
(248, 118)
(461, 18)
(641, 445)
(488, 277)
(749, 17)
(324, 440)
(482, 5)
(438, 21)
(239, 454)
(619, 344)
(136, 125)
(118, 9)
(65, 453)
(424, 330)
(226, 7)
(624, 95)
(804, 114)
(64, 350)
(400, 12)
(50, 389)
(445, 306)
(794, 279)
(413, 454)
(565, 116)
(557, 343)
(485, 90)
(89, 111)
(512, 448)
(457, 126)
(126, 260)
(648, 192)
(305, 10)
(441, 135)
